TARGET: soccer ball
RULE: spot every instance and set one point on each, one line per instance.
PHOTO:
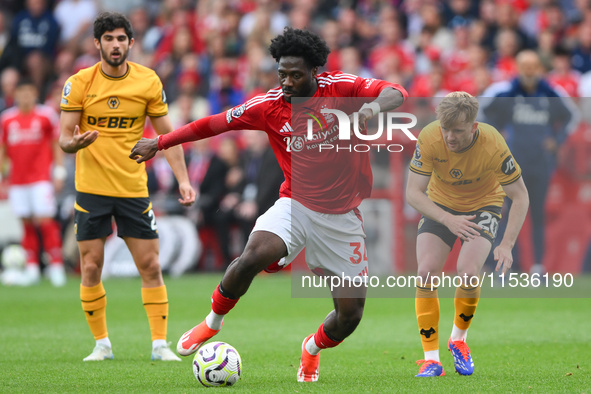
(13, 257)
(217, 364)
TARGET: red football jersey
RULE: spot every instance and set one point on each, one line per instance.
(326, 181)
(28, 139)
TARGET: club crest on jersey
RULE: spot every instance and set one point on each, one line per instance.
(113, 102)
(455, 173)
(67, 88)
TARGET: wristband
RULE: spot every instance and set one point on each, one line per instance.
(375, 107)
(60, 173)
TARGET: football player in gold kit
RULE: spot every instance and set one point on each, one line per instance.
(104, 108)
(458, 177)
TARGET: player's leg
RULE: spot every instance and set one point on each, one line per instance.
(145, 253)
(261, 250)
(94, 297)
(471, 259)
(267, 243)
(52, 244)
(335, 248)
(136, 224)
(21, 202)
(338, 325)
(470, 262)
(432, 252)
(30, 244)
(154, 295)
(44, 211)
(92, 224)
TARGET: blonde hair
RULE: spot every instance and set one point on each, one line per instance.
(457, 107)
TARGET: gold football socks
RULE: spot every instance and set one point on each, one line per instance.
(427, 310)
(94, 305)
(156, 304)
(465, 302)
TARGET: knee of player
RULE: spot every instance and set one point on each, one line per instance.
(91, 268)
(42, 220)
(254, 258)
(426, 274)
(91, 257)
(469, 275)
(351, 318)
(149, 266)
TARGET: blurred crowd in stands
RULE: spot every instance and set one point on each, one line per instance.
(212, 55)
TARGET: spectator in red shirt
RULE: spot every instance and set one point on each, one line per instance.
(563, 74)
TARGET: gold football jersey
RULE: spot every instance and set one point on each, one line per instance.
(468, 180)
(117, 108)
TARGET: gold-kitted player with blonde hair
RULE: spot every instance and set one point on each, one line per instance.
(104, 108)
(459, 175)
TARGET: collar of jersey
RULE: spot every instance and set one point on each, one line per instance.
(115, 78)
(471, 143)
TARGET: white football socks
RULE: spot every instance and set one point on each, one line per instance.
(214, 321)
(311, 347)
(432, 355)
(457, 334)
(158, 342)
(104, 341)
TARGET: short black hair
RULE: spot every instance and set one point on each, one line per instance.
(300, 43)
(109, 21)
(25, 81)
(561, 50)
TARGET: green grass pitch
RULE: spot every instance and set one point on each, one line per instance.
(518, 345)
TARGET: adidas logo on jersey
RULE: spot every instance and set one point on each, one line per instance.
(286, 128)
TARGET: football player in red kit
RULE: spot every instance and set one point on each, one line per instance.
(317, 208)
(29, 140)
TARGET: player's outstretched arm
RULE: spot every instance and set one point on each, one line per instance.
(176, 159)
(71, 140)
(459, 225)
(202, 128)
(517, 192)
(388, 99)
